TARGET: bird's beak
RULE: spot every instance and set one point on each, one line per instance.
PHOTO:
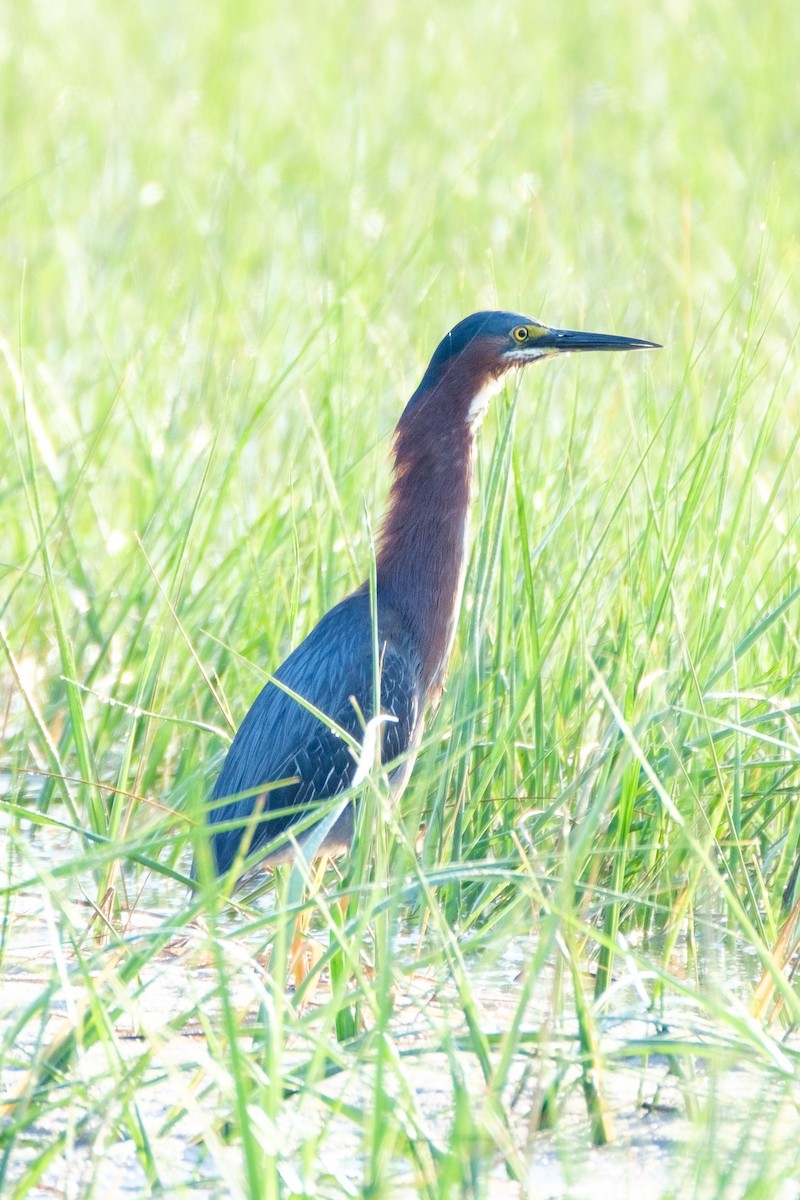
(566, 341)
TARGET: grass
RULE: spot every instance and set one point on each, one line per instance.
(230, 240)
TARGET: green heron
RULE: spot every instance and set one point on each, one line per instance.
(420, 563)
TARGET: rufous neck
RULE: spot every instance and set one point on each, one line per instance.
(422, 550)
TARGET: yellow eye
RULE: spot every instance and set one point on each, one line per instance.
(520, 334)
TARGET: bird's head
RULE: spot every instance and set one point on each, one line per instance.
(471, 360)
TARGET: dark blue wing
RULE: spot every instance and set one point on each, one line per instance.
(280, 739)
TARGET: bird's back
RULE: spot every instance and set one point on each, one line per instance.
(280, 739)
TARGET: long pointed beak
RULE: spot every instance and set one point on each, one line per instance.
(569, 340)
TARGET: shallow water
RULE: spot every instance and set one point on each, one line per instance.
(165, 1030)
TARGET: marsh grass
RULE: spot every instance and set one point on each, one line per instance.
(230, 241)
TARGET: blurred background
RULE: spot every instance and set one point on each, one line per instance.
(230, 238)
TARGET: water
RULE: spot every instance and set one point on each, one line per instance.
(161, 1061)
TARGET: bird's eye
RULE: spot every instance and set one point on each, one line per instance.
(520, 334)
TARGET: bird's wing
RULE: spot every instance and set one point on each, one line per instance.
(280, 739)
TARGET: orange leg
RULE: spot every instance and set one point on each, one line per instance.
(305, 952)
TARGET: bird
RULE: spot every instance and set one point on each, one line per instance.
(282, 745)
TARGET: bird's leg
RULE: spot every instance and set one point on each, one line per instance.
(305, 952)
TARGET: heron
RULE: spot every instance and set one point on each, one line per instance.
(283, 745)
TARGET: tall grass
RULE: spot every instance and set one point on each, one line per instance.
(231, 237)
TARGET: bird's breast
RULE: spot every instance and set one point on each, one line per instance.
(451, 606)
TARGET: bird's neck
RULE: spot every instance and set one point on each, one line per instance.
(423, 546)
